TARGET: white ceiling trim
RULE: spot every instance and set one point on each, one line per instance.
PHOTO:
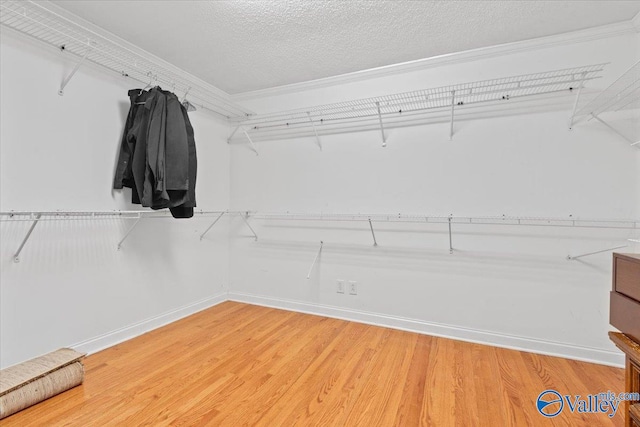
(596, 33)
(49, 25)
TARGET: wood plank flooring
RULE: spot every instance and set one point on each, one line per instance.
(242, 365)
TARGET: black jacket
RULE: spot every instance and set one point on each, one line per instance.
(157, 153)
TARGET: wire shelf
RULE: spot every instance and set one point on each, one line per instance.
(420, 103)
(44, 24)
(626, 224)
(34, 217)
(11, 216)
(624, 93)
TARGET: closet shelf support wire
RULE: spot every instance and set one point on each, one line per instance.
(211, 226)
(253, 146)
(614, 130)
(244, 218)
(453, 106)
(375, 243)
(232, 133)
(450, 238)
(571, 258)
(315, 131)
(384, 138)
(315, 259)
(129, 232)
(575, 102)
(67, 79)
(16, 256)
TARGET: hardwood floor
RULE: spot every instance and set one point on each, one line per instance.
(237, 364)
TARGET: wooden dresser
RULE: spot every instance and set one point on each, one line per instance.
(625, 315)
(632, 383)
(625, 295)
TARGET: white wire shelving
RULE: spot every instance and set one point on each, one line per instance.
(41, 21)
(622, 94)
(627, 224)
(450, 220)
(36, 217)
(13, 216)
(40, 216)
(410, 107)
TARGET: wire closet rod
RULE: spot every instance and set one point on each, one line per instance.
(95, 215)
(36, 217)
(632, 224)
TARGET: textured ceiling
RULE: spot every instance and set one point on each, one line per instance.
(241, 46)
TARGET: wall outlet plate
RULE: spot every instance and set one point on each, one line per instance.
(353, 287)
(340, 286)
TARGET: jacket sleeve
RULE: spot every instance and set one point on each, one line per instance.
(123, 176)
(155, 194)
(176, 147)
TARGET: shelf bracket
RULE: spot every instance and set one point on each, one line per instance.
(450, 237)
(315, 131)
(129, 232)
(233, 133)
(384, 138)
(244, 218)
(65, 82)
(375, 243)
(211, 226)
(315, 259)
(250, 141)
(16, 256)
(453, 104)
(613, 129)
(575, 103)
(569, 257)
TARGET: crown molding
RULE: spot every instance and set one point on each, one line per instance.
(60, 15)
(595, 33)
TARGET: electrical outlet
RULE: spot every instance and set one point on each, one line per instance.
(353, 287)
(340, 286)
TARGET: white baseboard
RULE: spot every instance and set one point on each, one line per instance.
(551, 348)
(112, 338)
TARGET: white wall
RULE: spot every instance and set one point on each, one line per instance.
(508, 286)
(58, 153)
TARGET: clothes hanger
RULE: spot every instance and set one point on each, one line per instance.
(147, 86)
(189, 106)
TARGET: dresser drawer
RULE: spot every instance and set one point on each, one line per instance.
(626, 279)
(624, 314)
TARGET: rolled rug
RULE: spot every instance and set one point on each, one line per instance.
(38, 379)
